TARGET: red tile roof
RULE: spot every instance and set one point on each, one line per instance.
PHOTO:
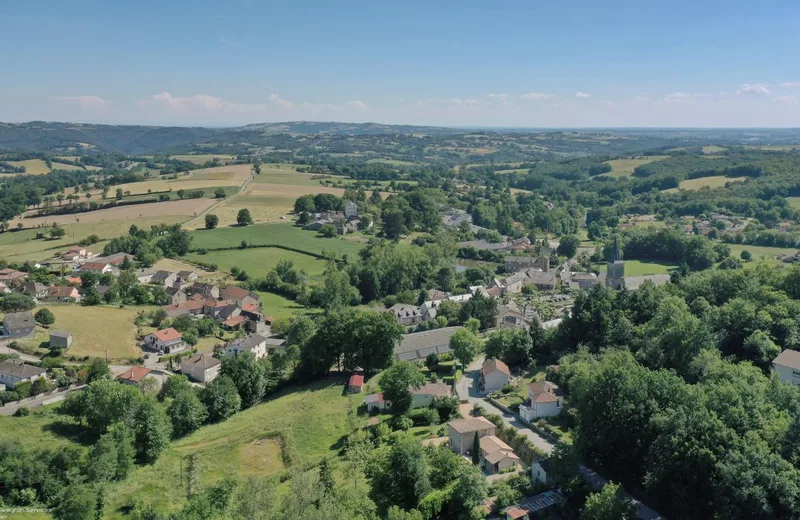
(235, 292)
(168, 334)
(356, 380)
(134, 374)
(250, 307)
(62, 291)
(234, 321)
(94, 266)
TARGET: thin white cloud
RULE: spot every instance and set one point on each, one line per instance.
(790, 84)
(452, 102)
(276, 100)
(356, 104)
(754, 89)
(536, 96)
(582, 95)
(198, 101)
(787, 100)
(497, 97)
(86, 102)
(678, 97)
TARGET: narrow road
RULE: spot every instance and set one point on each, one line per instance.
(23, 357)
(39, 401)
(467, 386)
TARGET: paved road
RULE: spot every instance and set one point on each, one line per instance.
(35, 403)
(468, 387)
(24, 357)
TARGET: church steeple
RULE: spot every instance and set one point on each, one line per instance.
(616, 254)
(615, 268)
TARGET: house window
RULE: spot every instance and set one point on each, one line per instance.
(796, 373)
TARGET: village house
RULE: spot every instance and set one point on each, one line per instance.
(376, 402)
(350, 209)
(18, 325)
(97, 267)
(424, 396)
(428, 309)
(14, 371)
(12, 276)
(133, 375)
(63, 294)
(202, 368)
(496, 455)
(239, 296)
(234, 322)
(189, 307)
(256, 344)
(544, 280)
(494, 375)
(187, 277)
(404, 314)
(355, 384)
(512, 317)
(115, 259)
(60, 339)
(34, 290)
(787, 366)
(253, 312)
(212, 307)
(175, 295)
(514, 263)
(545, 399)
(165, 341)
(461, 433)
(165, 278)
(207, 290)
(539, 470)
(418, 345)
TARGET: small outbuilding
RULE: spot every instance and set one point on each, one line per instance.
(356, 384)
(60, 339)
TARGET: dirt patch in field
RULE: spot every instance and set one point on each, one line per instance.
(189, 207)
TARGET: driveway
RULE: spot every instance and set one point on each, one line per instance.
(23, 357)
(468, 388)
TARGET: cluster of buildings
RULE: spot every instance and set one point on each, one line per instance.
(346, 221)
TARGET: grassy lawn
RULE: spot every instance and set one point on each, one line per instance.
(259, 261)
(761, 254)
(625, 167)
(285, 174)
(313, 420)
(43, 428)
(642, 267)
(283, 233)
(100, 329)
(279, 306)
(716, 181)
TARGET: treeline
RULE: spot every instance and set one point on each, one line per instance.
(669, 245)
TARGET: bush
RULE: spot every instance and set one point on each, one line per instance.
(402, 422)
(22, 411)
(44, 317)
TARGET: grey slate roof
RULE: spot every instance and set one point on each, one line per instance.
(19, 320)
(203, 361)
(247, 343)
(418, 345)
(15, 368)
(60, 334)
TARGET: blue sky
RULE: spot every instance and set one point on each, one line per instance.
(530, 63)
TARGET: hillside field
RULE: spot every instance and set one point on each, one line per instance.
(282, 233)
(716, 181)
(259, 261)
(312, 420)
(625, 167)
(99, 330)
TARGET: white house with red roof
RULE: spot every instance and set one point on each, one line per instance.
(494, 375)
(165, 341)
(545, 399)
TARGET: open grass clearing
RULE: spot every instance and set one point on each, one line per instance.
(761, 254)
(711, 149)
(794, 202)
(279, 306)
(32, 166)
(642, 267)
(282, 233)
(392, 162)
(259, 261)
(625, 167)
(515, 170)
(715, 181)
(100, 330)
(313, 421)
(43, 428)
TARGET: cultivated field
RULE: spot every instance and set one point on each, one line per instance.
(716, 181)
(312, 420)
(21, 246)
(188, 208)
(222, 176)
(282, 233)
(32, 166)
(625, 167)
(99, 331)
(259, 261)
